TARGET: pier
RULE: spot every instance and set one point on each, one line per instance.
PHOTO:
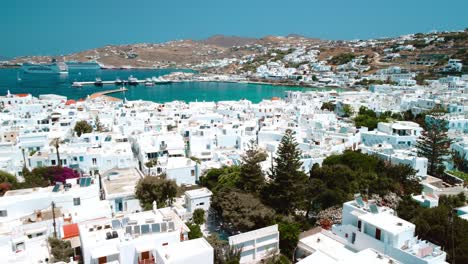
(105, 93)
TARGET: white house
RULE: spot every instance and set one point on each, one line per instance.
(256, 245)
(365, 225)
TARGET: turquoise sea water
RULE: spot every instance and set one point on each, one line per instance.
(37, 84)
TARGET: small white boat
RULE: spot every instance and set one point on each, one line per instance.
(76, 85)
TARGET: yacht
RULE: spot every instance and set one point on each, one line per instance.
(132, 80)
(160, 80)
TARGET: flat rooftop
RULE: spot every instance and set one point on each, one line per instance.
(176, 253)
(202, 192)
(120, 181)
(387, 222)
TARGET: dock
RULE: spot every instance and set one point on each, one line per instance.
(109, 82)
(105, 93)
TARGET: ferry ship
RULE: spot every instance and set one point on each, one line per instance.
(51, 68)
(77, 65)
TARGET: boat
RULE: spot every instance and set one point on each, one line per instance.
(98, 82)
(149, 82)
(44, 68)
(77, 85)
(77, 65)
(160, 80)
(132, 80)
(118, 81)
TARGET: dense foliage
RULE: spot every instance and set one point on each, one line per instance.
(157, 189)
(7, 182)
(341, 176)
(195, 231)
(342, 58)
(61, 250)
(215, 179)
(440, 225)
(240, 211)
(289, 236)
(223, 254)
(46, 176)
(368, 118)
(82, 127)
(328, 106)
(198, 216)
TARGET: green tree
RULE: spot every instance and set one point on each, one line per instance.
(215, 179)
(61, 250)
(347, 110)
(82, 127)
(98, 124)
(434, 145)
(195, 231)
(157, 189)
(277, 259)
(328, 106)
(287, 191)
(223, 254)
(459, 162)
(440, 225)
(198, 216)
(241, 212)
(150, 164)
(251, 176)
(289, 236)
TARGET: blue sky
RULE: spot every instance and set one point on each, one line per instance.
(52, 27)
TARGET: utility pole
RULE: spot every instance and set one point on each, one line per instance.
(53, 219)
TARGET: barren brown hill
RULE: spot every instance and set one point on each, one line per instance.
(228, 41)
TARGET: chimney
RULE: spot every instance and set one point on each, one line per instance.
(155, 207)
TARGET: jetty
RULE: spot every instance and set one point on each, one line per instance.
(105, 93)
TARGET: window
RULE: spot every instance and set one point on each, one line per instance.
(81, 158)
(76, 201)
(75, 158)
(192, 172)
(377, 233)
(94, 161)
(3, 213)
(359, 225)
(53, 162)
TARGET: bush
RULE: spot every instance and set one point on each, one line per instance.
(61, 250)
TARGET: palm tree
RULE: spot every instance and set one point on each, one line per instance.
(56, 143)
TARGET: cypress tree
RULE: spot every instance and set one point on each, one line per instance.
(251, 177)
(287, 191)
(434, 145)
